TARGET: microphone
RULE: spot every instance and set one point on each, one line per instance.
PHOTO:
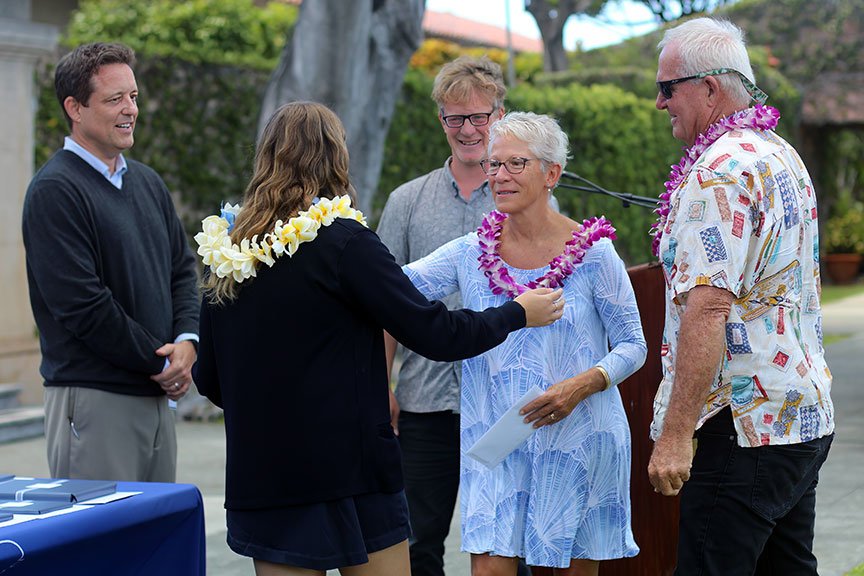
(589, 186)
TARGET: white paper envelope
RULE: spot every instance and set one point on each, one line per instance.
(506, 434)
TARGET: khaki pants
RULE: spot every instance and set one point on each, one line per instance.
(97, 435)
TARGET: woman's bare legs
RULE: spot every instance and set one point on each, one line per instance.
(263, 568)
(579, 568)
(487, 565)
(392, 561)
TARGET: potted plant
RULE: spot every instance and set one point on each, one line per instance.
(843, 240)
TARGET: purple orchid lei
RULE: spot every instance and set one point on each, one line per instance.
(758, 117)
(560, 267)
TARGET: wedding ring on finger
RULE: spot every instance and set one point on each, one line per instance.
(552, 416)
(176, 386)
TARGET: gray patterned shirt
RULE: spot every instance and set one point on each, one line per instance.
(420, 216)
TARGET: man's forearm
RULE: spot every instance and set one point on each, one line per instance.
(701, 346)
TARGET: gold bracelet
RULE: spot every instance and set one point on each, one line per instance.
(605, 376)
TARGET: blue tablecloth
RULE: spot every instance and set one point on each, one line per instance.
(159, 532)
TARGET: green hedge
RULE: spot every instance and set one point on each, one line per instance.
(200, 31)
(198, 122)
(199, 114)
(617, 140)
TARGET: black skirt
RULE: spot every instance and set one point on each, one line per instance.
(321, 536)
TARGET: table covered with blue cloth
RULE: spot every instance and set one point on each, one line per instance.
(160, 532)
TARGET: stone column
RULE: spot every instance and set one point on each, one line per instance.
(22, 43)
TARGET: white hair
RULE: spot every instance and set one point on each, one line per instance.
(544, 137)
(706, 44)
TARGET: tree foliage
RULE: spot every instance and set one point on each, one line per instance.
(551, 16)
(198, 116)
(671, 10)
(435, 52)
(232, 32)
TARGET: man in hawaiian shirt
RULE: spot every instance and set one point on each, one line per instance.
(745, 382)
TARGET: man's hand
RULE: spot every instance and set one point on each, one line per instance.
(177, 376)
(670, 464)
(701, 346)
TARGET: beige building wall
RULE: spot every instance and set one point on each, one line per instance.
(22, 44)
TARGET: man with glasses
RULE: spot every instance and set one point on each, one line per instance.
(743, 416)
(420, 216)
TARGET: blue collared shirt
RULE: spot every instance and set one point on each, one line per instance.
(116, 179)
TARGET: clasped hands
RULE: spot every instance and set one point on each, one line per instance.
(177, 375)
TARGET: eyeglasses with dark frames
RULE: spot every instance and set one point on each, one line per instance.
(476, 119)
(666, 86)
(514, 165)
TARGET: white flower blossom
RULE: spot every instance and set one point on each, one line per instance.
(225, 258)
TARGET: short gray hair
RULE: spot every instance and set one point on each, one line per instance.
(706, 44)
(544, 137)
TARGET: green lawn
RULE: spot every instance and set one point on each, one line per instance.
(859, 571)
(834, 293)
(831, 339)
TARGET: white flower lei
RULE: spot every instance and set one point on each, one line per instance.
(228, 259)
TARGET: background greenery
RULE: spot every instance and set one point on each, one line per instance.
(204, 64)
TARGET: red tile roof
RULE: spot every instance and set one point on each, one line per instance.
(462, 31)
(834, 98)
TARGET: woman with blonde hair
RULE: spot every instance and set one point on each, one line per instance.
(297, 296)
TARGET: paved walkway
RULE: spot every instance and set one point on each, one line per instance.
(840, 518)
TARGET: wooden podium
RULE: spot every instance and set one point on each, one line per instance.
(655, 517)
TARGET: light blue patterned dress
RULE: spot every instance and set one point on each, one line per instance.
(565, 492)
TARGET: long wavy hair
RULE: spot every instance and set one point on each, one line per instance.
(301, 154)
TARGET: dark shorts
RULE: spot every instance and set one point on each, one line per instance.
(749, 510)
(321, 536)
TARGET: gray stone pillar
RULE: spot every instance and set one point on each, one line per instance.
(22, 43)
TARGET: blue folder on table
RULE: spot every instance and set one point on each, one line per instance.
(55, 490)
(31, 506)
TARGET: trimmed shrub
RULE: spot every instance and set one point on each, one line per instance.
(618, 140)
(200, 31)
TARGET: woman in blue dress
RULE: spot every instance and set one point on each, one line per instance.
(561, 499)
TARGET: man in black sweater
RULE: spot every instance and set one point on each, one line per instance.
(112, 284)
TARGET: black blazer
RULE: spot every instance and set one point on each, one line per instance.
(297, 362)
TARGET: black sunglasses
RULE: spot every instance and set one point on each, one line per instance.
(666, 86)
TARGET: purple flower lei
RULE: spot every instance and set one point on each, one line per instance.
(758, 117)
(560, 267)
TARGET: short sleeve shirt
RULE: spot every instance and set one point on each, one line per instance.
(744, 219)
(420, 216)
